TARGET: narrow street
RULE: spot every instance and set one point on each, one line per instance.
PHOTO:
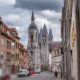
(41, 76)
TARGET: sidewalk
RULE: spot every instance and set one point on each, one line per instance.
(58, 77)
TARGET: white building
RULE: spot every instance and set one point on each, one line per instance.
(57, 60)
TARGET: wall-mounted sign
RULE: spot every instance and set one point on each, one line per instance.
(73, 34)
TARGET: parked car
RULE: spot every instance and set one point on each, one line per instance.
(37, 71)
(23, 73)
(4, 75)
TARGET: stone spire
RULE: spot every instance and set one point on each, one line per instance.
(32, 18)
(50, 35)
(44, 29)
(32, 25)
(41, 31)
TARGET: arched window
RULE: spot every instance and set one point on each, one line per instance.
(31, 38)
(31, 52)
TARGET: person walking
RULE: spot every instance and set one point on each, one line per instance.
(56, 74)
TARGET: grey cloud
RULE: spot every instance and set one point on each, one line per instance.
(39, 4)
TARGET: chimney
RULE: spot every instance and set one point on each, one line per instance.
(0, 18)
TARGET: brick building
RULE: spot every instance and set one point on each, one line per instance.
(10, 49)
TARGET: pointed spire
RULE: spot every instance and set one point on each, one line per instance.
(41, 30)
(33, 25)
(44, 29)
(32, 18)
(50, 35)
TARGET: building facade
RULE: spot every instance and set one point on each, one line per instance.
(10, 49)
(70, 38)
(44, 47)
(38, 44)
(57, 60)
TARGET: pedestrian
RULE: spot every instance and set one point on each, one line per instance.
(56, 73)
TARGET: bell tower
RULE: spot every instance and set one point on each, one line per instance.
(33, 46)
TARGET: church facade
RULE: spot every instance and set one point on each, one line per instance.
(38, 44)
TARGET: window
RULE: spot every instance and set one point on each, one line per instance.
(36, 36)
(8, 56)
(17, 45)
(2, 55)
(31, 52)
(45, 40)
(13, 45)
(31, 46)
(16, 56)
(8, 32)
(8, 44)
(12, 56)
(3, 41)
(3, 29)
(31, 38)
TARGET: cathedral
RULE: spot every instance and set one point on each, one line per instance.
(38, 44)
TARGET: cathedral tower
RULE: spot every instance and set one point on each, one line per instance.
(33, 46)
(50, 36)
(45, 47)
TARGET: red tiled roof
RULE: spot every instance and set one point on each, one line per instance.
(21, 45)
(26, 50)
(12, 29)
(0, 18)
(56, 48)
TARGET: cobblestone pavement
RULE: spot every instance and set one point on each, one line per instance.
(41, 76)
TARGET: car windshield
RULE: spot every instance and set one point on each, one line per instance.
(22, 71)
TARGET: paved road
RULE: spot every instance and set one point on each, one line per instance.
(41, 76)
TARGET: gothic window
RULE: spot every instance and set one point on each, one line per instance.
(2, 55)
(31, 46)
(31, 38)
(3, 41)
(36, 35)
(45, 40)
(8, 44)
(31, 52)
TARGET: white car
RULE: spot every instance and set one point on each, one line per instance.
(23, 73)
(37, 70)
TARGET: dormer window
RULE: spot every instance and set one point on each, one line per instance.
(31, 38)
(3, 29)
(8, 32)
(13, 45)
(2, 41)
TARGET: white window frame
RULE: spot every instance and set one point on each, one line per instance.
(2, 41)
(12, 45)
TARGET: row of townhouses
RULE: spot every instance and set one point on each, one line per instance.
(13, 55)
(70, 33)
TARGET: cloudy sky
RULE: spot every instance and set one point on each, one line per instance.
(17, 13)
